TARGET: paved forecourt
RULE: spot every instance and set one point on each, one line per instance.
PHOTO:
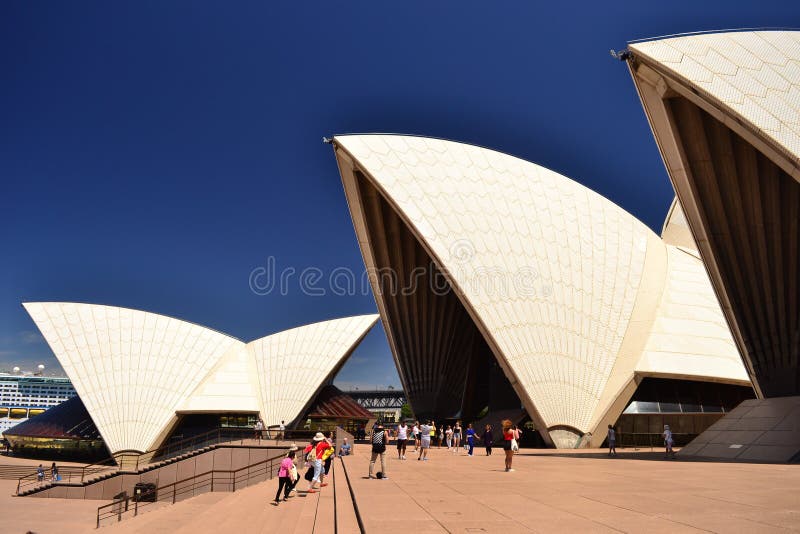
(554, 491)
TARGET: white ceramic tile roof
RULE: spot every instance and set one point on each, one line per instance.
(230, 384)
(578, 260)
(576, 256)
(690, 337)
(676, 229)
(134, 370)
(131, 369)
(294, 363)
(755, 75)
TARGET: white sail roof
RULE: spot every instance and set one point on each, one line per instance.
(292, 364)
(135, 370)
(754, 74)
(592, 276)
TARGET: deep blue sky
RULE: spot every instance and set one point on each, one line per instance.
(153, 154)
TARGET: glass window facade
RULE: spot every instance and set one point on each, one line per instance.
(688, 407)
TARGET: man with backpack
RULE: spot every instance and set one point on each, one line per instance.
(380, 439)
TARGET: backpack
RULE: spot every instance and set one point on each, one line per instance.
(379, 441)
(311, 453)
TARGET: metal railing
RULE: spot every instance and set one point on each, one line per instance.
(135, 461)
(171, 493)
(67, 474)
(633, 440)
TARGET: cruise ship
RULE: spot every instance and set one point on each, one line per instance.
(23, 396)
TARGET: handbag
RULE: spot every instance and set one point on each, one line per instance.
(309, 474)
(514, 445)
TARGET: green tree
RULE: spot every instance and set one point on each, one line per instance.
(405, 412)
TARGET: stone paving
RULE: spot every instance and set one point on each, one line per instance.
(550, 491)
(553, 491)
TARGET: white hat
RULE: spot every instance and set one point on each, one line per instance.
(318, 437)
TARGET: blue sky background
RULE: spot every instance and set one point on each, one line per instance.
(152, 154)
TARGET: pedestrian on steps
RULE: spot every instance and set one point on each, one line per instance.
(285, 478)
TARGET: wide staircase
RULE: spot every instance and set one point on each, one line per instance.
(16, 472)
(238, 501)
(248, 511)
(127, 463)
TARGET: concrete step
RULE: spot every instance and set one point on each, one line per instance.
(346, 520)
(325, 518)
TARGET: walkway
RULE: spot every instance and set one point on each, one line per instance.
(551, 491)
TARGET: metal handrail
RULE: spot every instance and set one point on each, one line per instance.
(653, 440)
(67, 473)
(230, 477)
(134, 461)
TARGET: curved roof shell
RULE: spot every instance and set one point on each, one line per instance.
(582, 281)
(135, 370)
(725, 112)
(752, 75)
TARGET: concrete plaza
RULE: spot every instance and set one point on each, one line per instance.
(549, 491)
(583, 491)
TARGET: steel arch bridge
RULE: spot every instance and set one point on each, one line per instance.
(379, 399)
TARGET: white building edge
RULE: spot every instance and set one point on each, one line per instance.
(137, 372)
(724, 108)
(592, 300)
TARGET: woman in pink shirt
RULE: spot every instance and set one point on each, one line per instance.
(284, 478)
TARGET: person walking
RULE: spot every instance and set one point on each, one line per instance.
(517, 436)
(488, 439)
(54, 472)
(294, 475)
(508, 437)
(327, 456)
(415, 431)
(456, 436)
(402, 440)
(441, 437)
(258, 430)
(285, 478)
(40, 473)
(433, 431)
(668, 442)
(470, 439)
(425, 441)
(448, 436)
(282, 430)
(380, 439)
(612, 441)
(314, 452)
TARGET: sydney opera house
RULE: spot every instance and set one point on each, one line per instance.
(504, 286)
(141, 375)
(554, 298)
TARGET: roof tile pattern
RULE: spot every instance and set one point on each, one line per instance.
(756, 75)
(133, 369)
(130, 368)
(549, 267)
(292, 364)
(690, 336)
